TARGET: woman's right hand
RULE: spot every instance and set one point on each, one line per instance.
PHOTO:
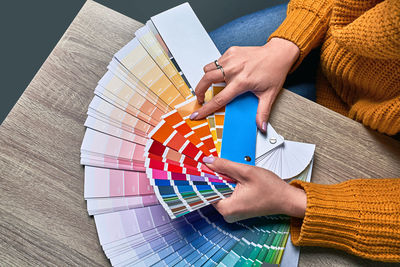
(258, 192)
(261, 70)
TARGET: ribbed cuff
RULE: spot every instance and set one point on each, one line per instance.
(359, 216)
(303, 28)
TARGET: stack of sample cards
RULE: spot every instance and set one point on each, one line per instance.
(145, 181)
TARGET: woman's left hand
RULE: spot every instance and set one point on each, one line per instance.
(260, 69)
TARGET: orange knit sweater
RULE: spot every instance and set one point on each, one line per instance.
(359, 76)
(359, 72)
(360, 216)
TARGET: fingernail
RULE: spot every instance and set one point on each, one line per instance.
(208, 160)
(264, 126)
(194, 115)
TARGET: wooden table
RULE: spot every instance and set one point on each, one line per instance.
(42, 210)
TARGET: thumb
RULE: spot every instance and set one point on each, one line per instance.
(236, 171)
(263, 111)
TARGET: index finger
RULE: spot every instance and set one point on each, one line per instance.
(218, 101)
(214, 76)
(210, 66)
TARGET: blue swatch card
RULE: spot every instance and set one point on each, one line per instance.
(240, 129)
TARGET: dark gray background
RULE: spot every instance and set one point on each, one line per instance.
(30, 30)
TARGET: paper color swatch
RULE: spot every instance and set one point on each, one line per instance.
(145, 181)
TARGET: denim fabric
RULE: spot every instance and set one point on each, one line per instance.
(254, 30)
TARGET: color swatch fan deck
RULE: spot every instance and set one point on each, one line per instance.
(145, 181)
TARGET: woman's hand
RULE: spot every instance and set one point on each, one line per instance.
(261, 70)
(258, 192)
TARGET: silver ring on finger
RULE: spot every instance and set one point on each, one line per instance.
(223, 72)
(217, 64)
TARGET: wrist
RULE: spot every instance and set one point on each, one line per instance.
(296, 202)
(287, 51)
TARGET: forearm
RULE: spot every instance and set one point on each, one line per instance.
(305, 25)
(359, 216)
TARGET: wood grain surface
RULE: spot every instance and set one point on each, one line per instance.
(43, 218)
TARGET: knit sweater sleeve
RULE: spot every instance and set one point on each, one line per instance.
(360, 216)
(305, 25)
(374, 34)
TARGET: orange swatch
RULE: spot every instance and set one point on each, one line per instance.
(200, 127)
(178, 123)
